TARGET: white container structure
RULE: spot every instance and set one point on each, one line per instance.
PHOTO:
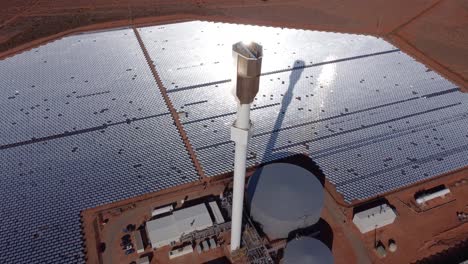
(219, 219)
(248, 63)
(162, 210)
(425, 197)
(213, 244)
(180, 251)
(199, 249)
(205, 245)
(374, 218)
(139, 246)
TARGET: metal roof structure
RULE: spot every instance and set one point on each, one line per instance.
(374, 218)
(84, 122)
(284, 197)
(308, 251)
(162, 231)
(218, 216)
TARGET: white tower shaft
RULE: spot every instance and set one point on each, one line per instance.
(240, 135)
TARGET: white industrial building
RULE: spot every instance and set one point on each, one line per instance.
(139, 246)
(432, 194)
(169, 229)
(218, 216)
(374, 218)
(162, 210)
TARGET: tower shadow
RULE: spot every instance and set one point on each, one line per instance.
(322, 229)
(288, 157)
(268, 155)
(285, 102)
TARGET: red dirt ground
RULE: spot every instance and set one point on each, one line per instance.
(433, 31)
(136, 211)
(422, 231)
(418, 231)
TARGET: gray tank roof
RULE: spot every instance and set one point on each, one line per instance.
(307, 250)
(284, 197)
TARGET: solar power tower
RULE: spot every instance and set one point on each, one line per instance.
(248, 64)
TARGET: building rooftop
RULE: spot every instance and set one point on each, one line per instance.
(373, 218)
(162, 231)
(85, 123)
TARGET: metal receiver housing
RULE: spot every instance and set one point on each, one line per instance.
(248, 64)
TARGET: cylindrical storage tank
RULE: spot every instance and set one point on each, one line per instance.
(307, 250)
(284, 197)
